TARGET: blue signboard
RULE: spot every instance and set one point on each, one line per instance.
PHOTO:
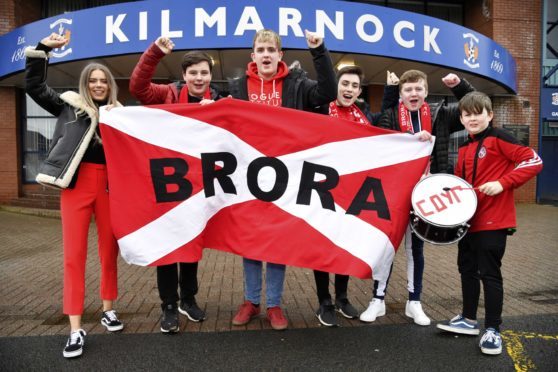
(221, 24)
(549, 104)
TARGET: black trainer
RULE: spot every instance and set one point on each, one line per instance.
(74, 346)
(192, 311)
(346, 309)
(169, 322)
(111, 322)
(326, 314)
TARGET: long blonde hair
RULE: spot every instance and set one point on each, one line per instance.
(84, 86)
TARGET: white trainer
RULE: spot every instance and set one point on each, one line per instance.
(413, 309)
(376, 308)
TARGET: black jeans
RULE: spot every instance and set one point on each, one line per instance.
(322, 285)
(168, 279)
(479, 260)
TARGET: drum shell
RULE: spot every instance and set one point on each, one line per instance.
(442, 206)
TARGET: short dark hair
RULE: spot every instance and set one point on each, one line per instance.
(413, 76)
(196, 56)
(356, 70)
(475, 103)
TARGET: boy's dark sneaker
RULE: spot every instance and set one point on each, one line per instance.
(169, 322)
(346, 309)
(111, 322)
(192, 311)
(460, 325)
(326, 314)
(491, 342)
(74, 346)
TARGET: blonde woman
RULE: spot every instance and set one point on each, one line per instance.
(76, 164)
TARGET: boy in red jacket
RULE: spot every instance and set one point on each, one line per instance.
(495, 163)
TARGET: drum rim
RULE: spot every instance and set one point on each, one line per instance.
(438, 243)
(442, 226)
(451, 176)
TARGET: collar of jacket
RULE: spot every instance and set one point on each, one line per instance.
(75, 100)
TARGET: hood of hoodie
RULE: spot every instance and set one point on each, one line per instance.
(266, 91)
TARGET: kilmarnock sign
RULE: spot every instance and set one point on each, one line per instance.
(348, 27)
(549, 104)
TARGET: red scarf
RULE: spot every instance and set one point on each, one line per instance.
(183, 97)
(406, 123)
(351, 113)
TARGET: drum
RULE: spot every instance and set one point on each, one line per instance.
(442, 206)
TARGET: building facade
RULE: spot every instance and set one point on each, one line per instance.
(518, 26)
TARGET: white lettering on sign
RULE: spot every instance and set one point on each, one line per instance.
(218, 17)
(430, 39)
(113, 29)
(165, 26)
(143, 26)
(368, 27)
(399, 26)
(323, 21)
(290, 18)
(378, 27)
(249, 21)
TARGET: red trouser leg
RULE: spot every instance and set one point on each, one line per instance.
(107, 246)
(76, 207)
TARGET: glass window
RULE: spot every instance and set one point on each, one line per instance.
(38, 129)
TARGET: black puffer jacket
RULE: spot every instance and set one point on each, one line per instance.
(73, 135)
(445, 120)
(299, 92)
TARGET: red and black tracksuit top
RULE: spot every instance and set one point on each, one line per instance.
(496, 155)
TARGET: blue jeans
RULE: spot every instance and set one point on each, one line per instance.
(274, 279)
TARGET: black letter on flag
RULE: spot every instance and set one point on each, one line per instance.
(360, 202)
(161, 180)
(210, 173)
(281, 178)
(307, 184)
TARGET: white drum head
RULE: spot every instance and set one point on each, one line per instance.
(444, 200)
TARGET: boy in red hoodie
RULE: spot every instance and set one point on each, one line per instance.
(495, 163)
(269, 81)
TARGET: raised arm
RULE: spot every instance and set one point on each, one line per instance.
(324, 90)
(459, 87)
(141, 86)
(36, 74)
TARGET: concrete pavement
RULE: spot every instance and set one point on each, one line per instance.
(31, 277)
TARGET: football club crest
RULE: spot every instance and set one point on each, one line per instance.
(555, 99)
(482, 152)
(471, 48)
(60, 26)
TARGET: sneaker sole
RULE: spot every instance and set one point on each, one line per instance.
(237, 323)
(324, 323)
(279, 328)
(491, 351)
(471, 332)
(72, 354)
(373, 320)
(346, 315)
(417, 322)
(184, 312)
(113, 328)
(170, 331)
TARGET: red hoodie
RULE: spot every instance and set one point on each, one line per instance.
(266, 91)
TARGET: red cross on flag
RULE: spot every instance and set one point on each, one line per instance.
(271, 184)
